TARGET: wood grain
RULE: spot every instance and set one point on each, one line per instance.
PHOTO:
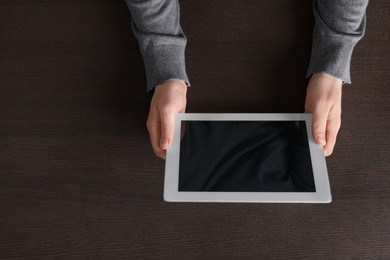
(78, 179)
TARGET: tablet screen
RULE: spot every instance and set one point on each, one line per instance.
(245, 156)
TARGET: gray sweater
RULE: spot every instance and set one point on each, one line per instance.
(339, 25)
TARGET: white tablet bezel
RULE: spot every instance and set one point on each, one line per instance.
(321, 179)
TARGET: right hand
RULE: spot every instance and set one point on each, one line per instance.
(323, 99)
(168, 99)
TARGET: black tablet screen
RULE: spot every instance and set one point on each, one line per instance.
(264, 156)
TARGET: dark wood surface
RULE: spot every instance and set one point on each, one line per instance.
(78, 179)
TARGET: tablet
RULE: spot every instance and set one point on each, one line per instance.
(245, 158)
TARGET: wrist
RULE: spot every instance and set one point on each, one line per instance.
(327, 77)
(172, 85)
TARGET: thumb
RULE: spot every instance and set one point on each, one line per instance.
(167, 130)
(319, 127)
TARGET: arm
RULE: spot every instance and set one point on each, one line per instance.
(162, 43)
(339, 25)
(161, 40)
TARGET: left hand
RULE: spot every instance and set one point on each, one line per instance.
(323, 99)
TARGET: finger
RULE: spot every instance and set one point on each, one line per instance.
(332, 129)
(320, 118)
(153, 127)
(167, 130)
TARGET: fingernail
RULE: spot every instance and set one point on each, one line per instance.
(164, 144)
(321, 140)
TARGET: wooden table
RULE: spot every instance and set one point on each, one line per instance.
(78, 179)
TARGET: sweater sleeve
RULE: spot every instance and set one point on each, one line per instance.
(339, 25)
(162, 43)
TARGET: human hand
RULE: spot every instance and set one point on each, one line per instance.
(323, 99)
(168, 99)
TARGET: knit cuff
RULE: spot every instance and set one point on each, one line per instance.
(163, 63)
(331, 54)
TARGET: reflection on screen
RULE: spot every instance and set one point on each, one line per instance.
(266, 156)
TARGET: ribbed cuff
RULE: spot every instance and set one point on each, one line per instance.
(331, 54)
(163, 63)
